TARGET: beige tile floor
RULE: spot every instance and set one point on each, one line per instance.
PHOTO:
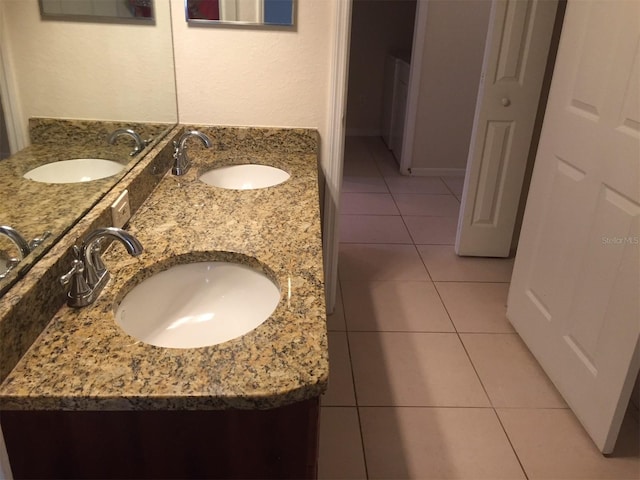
(428, 378)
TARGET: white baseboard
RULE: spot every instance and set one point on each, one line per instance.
(437, 172)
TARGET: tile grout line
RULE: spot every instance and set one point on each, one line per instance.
(347, 329)
(451, 190)
(492, 407)
(524, 471)
(353, 383)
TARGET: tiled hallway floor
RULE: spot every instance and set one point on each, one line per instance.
(428, 378)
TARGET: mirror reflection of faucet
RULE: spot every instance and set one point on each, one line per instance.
(38, 240)
(8, 262)
(88, 274)
(140, 144)
(17, 239)
(182, 160)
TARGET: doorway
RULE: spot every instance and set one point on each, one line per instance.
(364, 104)
(444, 44)
(378, 28)
(5, 151)
(425, 62)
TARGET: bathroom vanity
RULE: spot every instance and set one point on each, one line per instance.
(89, 401)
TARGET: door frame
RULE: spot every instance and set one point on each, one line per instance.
(336, 128)
(16, 128)
(415, 75)
(336, 132)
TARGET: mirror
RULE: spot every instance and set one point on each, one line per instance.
(240, 12)
(118, 9)
(92, 78)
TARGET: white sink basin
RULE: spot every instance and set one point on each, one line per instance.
(245, 177)
(198, 304)
(74, 171)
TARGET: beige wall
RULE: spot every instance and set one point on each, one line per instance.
(260, 77)
(224, 75)
(89, 70)
(450, 75)
(377, 27)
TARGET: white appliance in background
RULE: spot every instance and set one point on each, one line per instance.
(394, 102)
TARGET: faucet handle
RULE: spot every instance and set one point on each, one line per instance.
(9, 264)
(77, 269)
(79, 291)
(95, 267)
(38, 240)
(96, 257)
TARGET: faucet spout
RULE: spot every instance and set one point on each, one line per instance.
(131, 243)
(95, 272)
(88, 274)
(182, 161)
(140, 144)
(206, 141)
(17, 239)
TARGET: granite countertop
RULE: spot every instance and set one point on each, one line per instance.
(33, 208)
(84, 361)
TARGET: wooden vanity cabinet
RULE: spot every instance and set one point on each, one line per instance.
(280, 443)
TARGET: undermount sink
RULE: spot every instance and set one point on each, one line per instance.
(74, 171)
(245, 177)
(198, 305)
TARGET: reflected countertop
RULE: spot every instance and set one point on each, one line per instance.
(33, 207)
(84, 361)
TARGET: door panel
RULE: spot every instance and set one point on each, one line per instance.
(513, 71)
(574, 292)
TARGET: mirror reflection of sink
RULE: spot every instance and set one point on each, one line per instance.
(198, 304)
(74, 171)
(244, 177)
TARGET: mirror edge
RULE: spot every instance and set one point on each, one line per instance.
(151, 20)
(240, 23)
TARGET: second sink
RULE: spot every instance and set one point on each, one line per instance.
(198, 304)
(245, 177)
(74, 171)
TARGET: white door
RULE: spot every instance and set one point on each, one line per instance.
(516, 54)
(575, 291)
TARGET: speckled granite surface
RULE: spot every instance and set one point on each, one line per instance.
(34, 207)
(84, 361)
(28, 306)
(89, 132)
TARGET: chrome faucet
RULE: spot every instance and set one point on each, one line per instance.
(38, 240)
(182, 160)
(88, 274)
(17, 239)
(24, 247)
(11, 262)
(140, 144)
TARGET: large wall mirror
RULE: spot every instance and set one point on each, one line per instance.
(120, 73)
(114, 9)
(240, 12)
